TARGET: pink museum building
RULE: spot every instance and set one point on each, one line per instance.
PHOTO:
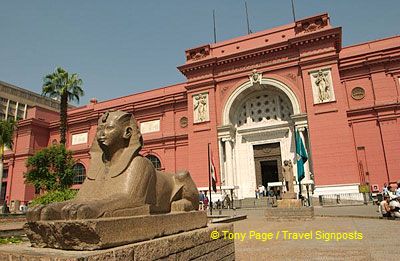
(246, 97)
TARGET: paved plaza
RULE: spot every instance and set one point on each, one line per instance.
(257, 239)
(379, 239)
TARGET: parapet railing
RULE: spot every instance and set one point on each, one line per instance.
(342, 199)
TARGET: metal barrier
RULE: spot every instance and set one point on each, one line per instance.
(342, 199)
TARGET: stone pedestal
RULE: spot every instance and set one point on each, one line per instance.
(103, 233)
(289, 203)
(289, 195)
(303, 213)
(192, 245)
(289, 208)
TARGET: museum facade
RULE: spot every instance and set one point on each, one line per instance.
(247, 97)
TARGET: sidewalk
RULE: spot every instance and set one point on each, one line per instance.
(368, 211)
(363, 211)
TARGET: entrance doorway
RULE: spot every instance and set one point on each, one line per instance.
(268, 163)
(269, 171)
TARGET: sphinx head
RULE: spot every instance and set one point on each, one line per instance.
(117, 130)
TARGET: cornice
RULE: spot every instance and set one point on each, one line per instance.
(370, 59)
(166, 139)
(325, 34)
(33, 122)
(295, 42)
(374, 110)
(206, 84)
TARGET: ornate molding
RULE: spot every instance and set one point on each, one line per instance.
(255, 77)
(198, 53)
(312, 24)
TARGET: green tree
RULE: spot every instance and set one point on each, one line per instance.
(51, 168)
(65, 88)
(6, 140)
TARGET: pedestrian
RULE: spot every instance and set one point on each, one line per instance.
(395, 206)
(201, 200)
(205, 202)
(398, 188)
(384, 208)
(385, 190)
(392, 190)
(261, 190)
(227, 201)
(257, 192)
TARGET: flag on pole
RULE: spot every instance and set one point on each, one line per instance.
(301, 156)
(212, 171)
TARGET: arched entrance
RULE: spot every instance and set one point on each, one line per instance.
(258, 134)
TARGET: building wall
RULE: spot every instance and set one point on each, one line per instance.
(15, 101)
(353, 138)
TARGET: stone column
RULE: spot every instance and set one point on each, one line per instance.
(222, 162)
(229, 163)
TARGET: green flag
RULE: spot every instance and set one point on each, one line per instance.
(301, 156)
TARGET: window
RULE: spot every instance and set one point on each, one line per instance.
(156, 162)
(5, 173)
(80, 173)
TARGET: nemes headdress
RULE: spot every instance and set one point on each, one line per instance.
(97, 165)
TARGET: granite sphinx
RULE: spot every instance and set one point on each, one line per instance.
(120, 182)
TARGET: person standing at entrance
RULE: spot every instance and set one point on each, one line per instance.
(261, 190)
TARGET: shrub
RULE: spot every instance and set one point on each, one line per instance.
(50, 169)
(54, 196)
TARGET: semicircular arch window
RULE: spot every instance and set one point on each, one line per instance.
(80, 173)
(155, 161)
(264, 107)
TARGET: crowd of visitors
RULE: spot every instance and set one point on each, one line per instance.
(204, 202)
(390, 205)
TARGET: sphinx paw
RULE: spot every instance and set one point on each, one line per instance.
(34, 213)
(181, 205)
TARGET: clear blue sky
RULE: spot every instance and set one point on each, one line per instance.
(124, 47)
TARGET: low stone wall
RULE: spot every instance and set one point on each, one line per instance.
(290, 213)
(192, 245)
(12, 218)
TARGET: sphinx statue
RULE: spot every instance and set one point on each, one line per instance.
(120, 182)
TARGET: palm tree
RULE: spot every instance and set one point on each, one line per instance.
(65, 88)
(6, 140)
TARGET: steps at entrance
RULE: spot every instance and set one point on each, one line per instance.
(262, 202)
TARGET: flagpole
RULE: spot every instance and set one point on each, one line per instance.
(209, 177)
(294, 15)
(215, 28)
(247, 18)
(297, 149)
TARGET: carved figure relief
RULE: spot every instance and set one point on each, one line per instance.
(255, 77)
(198, 53)
(200, 107)
(321, 81)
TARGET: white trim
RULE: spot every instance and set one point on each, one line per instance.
(336, 189)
